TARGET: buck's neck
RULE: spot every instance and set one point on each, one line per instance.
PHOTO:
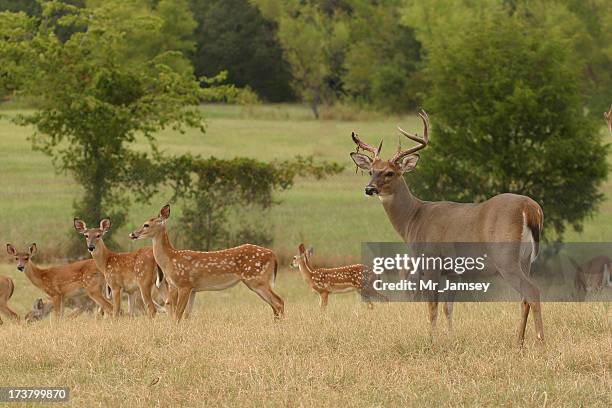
(100, 255)
(162, 248)
(401, 208)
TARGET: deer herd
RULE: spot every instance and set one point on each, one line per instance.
(162, 278)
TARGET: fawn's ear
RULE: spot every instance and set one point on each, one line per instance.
(309, 252)
(105, 225)
(38, 304)
(32, 249)
(362, 161)
(80, 225)
(301, 249)
(164, 213)
(11, 249)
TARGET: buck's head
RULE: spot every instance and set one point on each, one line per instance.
(153, 226)
(303, 253)
(21, 257)
(92, 235)
(387, 173)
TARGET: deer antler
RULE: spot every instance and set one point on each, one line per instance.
(608, 117)
(423, 141)
(364, 146)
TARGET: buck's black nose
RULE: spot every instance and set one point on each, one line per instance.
(371, 190)
(21, 268)
(91, 248)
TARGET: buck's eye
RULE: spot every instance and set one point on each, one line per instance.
(97, 235)
(390, 174)
(86, 235)
(146, 226)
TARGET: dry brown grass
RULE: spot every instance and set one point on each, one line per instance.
(232, 353)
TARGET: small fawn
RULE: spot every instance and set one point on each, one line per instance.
(193, 271)
(7, 287)
(125, 271)
(63, 281)
(334, 280)
(79, 303)
(592, 276)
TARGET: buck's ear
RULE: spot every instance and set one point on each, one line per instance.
(105, 224)
(79, 225)
(11, 249)
(362, 161)
(408, 163)
(164, 213)
(32, 249)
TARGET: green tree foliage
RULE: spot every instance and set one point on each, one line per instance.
(227, 202)
(382, 58)
(232, 35)
(97, 92)
(507, 114)
(314, 36)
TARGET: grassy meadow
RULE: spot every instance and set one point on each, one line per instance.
(232, 353)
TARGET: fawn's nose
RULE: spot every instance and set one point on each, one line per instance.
(91, 248)
(21, 268)
(371, 190)
(133, 236)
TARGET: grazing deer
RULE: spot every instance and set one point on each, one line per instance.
(126, 271)
(504, 218)
(194, 271)
(80, 303)
(592, 276)
(64, 281)
(342, 279)
(608, 118)
(7, 288)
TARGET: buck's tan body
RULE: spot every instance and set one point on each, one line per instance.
(7, 288)
(505, 218)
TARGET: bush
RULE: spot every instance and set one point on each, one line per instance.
(507, 117)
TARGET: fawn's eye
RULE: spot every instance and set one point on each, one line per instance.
(390, 174)
(97, 235)
(146, 226)
(86, 235)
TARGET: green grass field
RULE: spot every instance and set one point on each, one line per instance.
(232, 353)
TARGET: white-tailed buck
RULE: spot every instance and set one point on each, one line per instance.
(129, 272)
(63, 281)
(592, 276)
(608, 118)
(350, 278)
(194, 271)
(7, 288)
(504, 218)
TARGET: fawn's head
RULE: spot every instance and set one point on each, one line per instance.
(22, 257)
(387, 173)
(303, 253)
(38, 312)
(92, 235)
(152, 226)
